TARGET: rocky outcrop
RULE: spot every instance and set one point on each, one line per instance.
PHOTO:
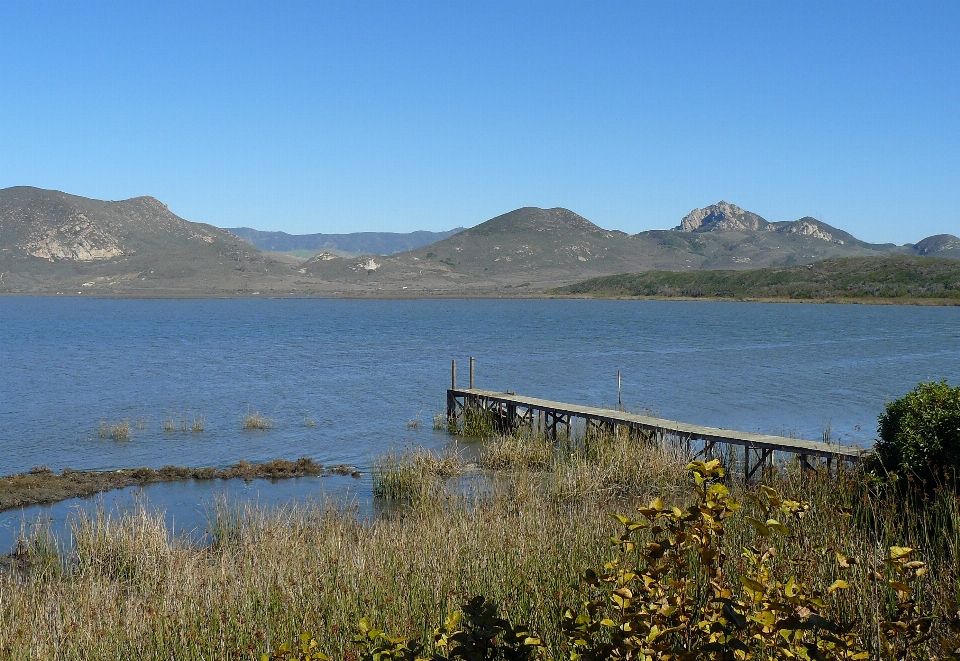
(721, 216)
(78, 239)
(804, 227)
(938, 243)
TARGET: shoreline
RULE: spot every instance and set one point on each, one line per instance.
(42, 486)
(398, 296)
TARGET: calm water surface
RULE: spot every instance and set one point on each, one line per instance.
(362, 369)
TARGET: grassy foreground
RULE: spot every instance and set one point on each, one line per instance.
(880, 279)
(521, 536)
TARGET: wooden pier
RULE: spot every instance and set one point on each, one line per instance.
(556, 419)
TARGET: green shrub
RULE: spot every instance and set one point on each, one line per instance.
(919, 435)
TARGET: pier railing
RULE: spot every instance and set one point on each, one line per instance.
(555, 419)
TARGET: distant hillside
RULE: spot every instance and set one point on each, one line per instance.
(525, 246)
(52, 241)
(535, 247)
(895, 277)
(940, 245)
(373, 243)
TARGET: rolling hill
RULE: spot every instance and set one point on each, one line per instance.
(54, 242)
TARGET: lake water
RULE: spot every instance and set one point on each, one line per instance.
(362, 369)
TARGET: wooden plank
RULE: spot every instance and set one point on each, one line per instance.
(670, 427)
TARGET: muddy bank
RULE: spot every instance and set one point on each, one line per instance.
(42, 486)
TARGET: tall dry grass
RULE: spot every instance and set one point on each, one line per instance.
(125, 589)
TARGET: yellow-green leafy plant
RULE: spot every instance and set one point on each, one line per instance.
(908, 627)
(669, 598)
(377, 645)
(477, 632)
(307, 650)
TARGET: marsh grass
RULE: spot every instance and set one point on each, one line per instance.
(199, 424)
(134, 548)
(524, 449)
(132, 591)
(415, 423)
(415, 475)
(255, 420)
(309, 422)
(176, 423)
(439, 421)
(117, 431)
(473, 422)
(38, 548)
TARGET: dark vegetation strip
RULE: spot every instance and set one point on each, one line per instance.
(895, 278)
(43, 486)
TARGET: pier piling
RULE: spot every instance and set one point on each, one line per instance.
(556, 418)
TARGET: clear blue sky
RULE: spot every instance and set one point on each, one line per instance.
(349, 116)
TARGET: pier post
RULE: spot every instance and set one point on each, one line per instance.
(453, 375)
(471, 372)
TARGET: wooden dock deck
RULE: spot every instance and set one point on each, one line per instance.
(554, 418)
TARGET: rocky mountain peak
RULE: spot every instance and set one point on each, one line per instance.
(938, 243)
(806, 226)
(721, 216)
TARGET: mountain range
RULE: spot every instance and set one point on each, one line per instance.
(344, 245)
(52, 242)
(539, 248)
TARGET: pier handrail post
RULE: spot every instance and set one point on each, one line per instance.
(453, 375)
(471, 372)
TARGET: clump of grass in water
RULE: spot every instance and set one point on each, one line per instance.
(439, 421)
(175, 423)
(199, 424)
(130, 547)
(414, 476)
(474, 422)
(39, 549)
(415, 423)
(309, 422)
(118, 431)
(254, 420)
